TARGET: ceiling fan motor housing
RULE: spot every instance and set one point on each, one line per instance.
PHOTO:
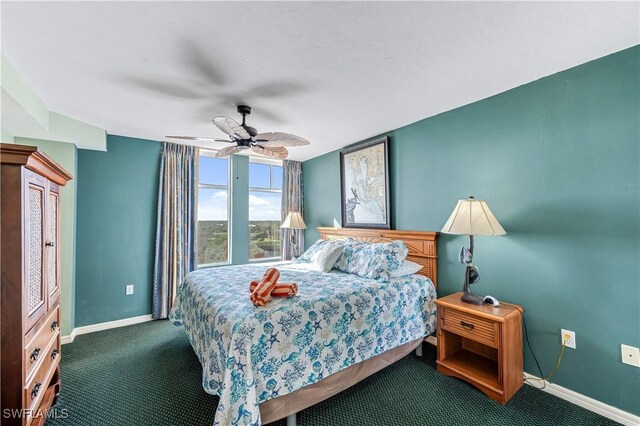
(244, 109)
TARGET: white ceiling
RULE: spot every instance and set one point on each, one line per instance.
(334, 73)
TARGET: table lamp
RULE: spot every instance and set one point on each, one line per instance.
(471, 217)
(293, 221)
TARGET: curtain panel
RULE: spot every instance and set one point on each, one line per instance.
(176, 226)
(291, 201)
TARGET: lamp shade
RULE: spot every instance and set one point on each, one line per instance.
(472, 217)
(293, 221)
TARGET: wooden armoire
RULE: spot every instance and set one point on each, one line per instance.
(30, 296)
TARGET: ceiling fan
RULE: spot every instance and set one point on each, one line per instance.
(271, 144)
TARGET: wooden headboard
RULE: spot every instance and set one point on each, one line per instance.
(421, 244)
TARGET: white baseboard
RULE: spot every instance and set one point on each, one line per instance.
(104, 326)
(68, 339)
(578, 399)
(590, 404)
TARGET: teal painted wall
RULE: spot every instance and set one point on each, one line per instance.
(66, 155)
(558, 162)
(117, 223)
(321, 192)
(117, 199)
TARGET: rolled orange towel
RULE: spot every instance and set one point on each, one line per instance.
(261, 295)
(285, 290)
(281, 289)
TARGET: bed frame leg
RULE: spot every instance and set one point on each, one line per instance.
(419, 350)
(291, 420)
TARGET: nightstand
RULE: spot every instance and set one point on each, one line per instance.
(482, 345)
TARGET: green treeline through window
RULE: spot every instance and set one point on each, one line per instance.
(265, 196)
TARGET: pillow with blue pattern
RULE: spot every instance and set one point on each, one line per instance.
(318, 249)
(372, 260)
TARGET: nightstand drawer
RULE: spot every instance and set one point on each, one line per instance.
(472, 327)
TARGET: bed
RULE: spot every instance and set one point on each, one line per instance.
(270, 362)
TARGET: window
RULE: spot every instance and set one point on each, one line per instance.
(212, 232)
(265, 196)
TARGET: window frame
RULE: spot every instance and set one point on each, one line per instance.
(211, 153)
(270, 162)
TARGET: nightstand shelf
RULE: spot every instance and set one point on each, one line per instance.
(484, 370)
(481, 345)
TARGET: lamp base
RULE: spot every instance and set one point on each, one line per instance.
(469, 297)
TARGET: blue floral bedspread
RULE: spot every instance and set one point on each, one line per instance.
(252, 354)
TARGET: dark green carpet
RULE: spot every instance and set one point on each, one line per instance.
(147, 374)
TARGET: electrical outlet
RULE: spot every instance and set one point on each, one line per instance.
(568, 337)
(630, 355)
(129, 289)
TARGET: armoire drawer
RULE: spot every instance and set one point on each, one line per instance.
(39, 382)
(35, 349)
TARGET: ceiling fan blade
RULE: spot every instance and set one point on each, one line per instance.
(199, 58)
(280, 88)
(273, 152)
(231, 127)
(224, 140)
(279, 139)
(161, 86)
(227, 151)
(194, 138)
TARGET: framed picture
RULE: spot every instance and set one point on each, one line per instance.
(364, 185)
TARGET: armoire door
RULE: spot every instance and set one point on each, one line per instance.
(52, 250)
(35, 293)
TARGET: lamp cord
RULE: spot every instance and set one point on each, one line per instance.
(526, 336)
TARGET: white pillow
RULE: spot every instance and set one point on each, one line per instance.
(327, 257)
(406, 268)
